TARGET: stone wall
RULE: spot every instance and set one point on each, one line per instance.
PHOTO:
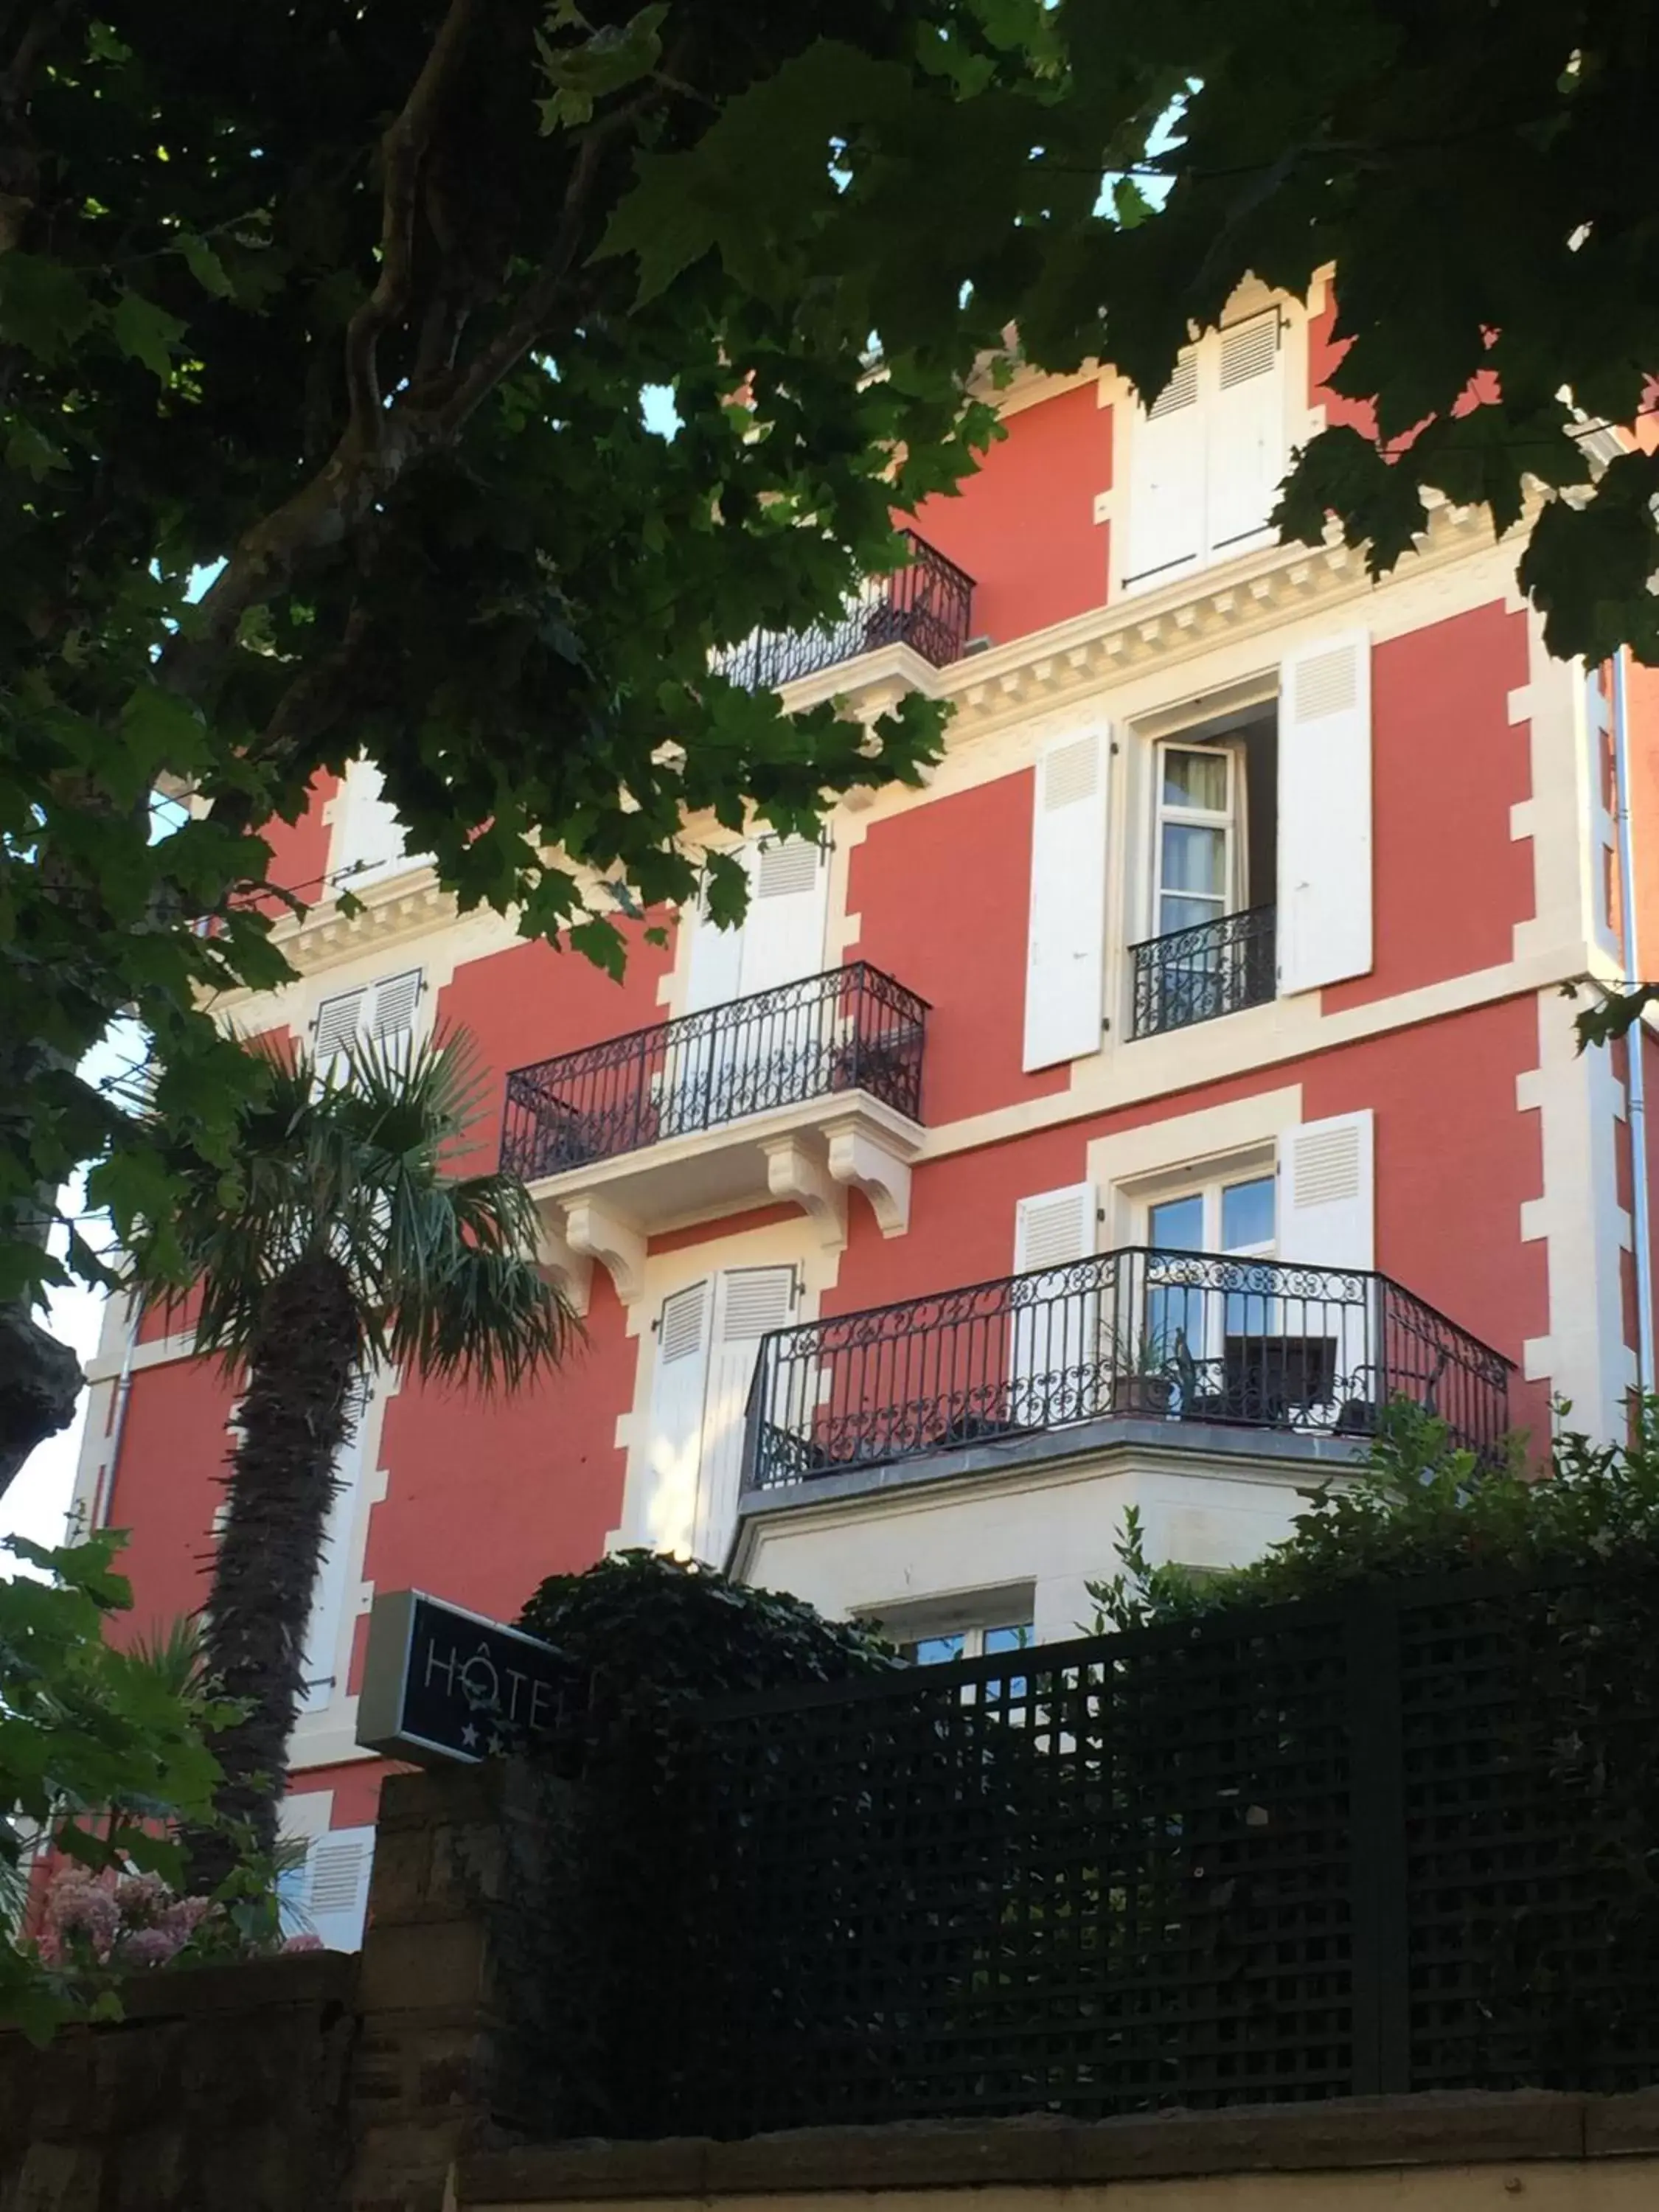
(223, 2086)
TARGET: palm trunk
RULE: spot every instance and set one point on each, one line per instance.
(293, 1420)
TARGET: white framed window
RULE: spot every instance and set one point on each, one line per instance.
(1207, 457)
(977, 1642)
(1198, 848)
(382, 1011)
(1236, 1214)
(1204, 1331)
(368, 842)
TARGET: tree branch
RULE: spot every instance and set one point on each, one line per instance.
(402, 149)
(361, 469)
(509, 347)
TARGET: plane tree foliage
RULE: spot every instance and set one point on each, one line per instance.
(324, 330)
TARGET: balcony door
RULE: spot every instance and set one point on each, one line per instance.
(748, 1042)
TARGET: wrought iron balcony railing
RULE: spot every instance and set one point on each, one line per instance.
(1194, 975)
(927, 605)
(1162, 1335)
(852, 1028)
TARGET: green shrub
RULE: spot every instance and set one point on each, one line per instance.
(1419, 1505)
(655, 1631)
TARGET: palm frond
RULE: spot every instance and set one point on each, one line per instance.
(172, 1652)
(350, 1163)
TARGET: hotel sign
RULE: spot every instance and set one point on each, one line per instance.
(442, 1685)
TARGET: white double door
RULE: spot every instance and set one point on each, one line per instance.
(723, 1059)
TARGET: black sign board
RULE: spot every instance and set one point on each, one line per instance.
(442, 1684)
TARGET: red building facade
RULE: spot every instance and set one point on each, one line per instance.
(1121, 1119)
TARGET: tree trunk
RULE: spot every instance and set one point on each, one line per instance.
(294, 1420)
(40, 1384)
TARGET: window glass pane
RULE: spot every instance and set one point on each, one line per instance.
(1195, 859)
(1247, 1214)
(934, 1650)
(1016, 1637)
(1177, 1225)
(1195, 779)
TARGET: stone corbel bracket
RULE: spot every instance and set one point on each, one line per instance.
(793, 1173)
(592, 1231)
(859, 1158)
(570, 1272)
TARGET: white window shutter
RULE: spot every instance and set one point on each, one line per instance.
(1244, 436)
(789, 900)
(369, 839)
(1054, 1350)
(338, 1024)
(392, 1012)
(749, 1301)
(678, 1388)
(1055, 1228)
(1166, 483)
(1325, 813)
(323, 1664)
(335, 1890)
(1327, 1206)
(1065, 957)
(715, 967)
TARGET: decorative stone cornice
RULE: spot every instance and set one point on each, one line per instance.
(1068, 661)
(1075, 659)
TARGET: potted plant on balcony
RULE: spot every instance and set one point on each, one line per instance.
(1141, 1361)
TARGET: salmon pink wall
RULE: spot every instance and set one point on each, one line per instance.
(167, 1486)
(1450, 882)
(1455, 1163)
(1323, 355)
(942, 893)
(1641, 755)
(484, 1500)
(1023, 527)
(356, 1788)
(299, 850)
(532, 1001)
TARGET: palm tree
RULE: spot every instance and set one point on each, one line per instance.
(337, 1241)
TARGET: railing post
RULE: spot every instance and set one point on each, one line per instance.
(1379, 1965)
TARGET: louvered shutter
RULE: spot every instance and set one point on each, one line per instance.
(1065, 957)
(783, 935)
(392, 1013)
(1325, 1205)
(1054, 1330)
(335, 1888)
(678, 1387)
(1166, 520)
(1327, 1213)
(1325, 813)
(749, 1301)
(338, 1026)
(370, 839)
(322, 1668)
(1245, 437)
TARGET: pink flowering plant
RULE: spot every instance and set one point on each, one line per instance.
(101, 1922)
(103, 1757)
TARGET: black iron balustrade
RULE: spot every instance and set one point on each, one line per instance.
(927, 605)
(1163, 1335)
(851, 1028)
(1194, 975)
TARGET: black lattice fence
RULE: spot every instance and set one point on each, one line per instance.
(1403, 1840)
